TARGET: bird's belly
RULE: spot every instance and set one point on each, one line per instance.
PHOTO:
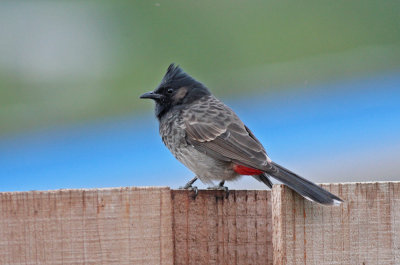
(206, 167)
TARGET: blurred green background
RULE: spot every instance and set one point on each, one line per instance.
(63, 62)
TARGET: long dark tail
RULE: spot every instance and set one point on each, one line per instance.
(305, 188)
(265, 179)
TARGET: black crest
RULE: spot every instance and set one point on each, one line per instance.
(176, 77)
(174, 81)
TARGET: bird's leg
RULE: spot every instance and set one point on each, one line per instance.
(188, 186)
(190, 183)
(221, 186)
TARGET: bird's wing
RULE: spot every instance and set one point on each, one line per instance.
(213, 128)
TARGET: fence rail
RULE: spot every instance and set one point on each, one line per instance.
(156, 225)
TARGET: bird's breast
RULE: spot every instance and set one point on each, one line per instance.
(172, 133)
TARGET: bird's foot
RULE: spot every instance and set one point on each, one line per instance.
(188, 186)
(221, 186)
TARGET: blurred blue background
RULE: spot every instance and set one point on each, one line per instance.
(318, 82)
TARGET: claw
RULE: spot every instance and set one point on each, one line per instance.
(226, 191)
(221, 187)
(196, 191)
(189, 186)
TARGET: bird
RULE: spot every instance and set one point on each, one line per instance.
(210, 139)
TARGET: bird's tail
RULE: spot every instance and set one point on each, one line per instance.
(305, 188)
(264, 178)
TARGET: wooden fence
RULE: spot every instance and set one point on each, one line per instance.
(157, 225)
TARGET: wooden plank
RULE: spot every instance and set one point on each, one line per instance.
(98, 226)
(279, 201)
(159, 226)
(365, 229)
(215, 230)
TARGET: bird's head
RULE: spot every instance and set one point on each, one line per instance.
(177, 88)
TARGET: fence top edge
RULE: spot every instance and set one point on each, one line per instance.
(166, 188)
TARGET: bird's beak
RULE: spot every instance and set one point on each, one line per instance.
(151, 95)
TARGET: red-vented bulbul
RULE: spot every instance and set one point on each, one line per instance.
(210, 139)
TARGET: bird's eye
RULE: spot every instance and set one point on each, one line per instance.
(170, 90)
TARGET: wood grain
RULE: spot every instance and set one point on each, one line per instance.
(163, 226)
(216, 230)
(98, 226)
(365, 229)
